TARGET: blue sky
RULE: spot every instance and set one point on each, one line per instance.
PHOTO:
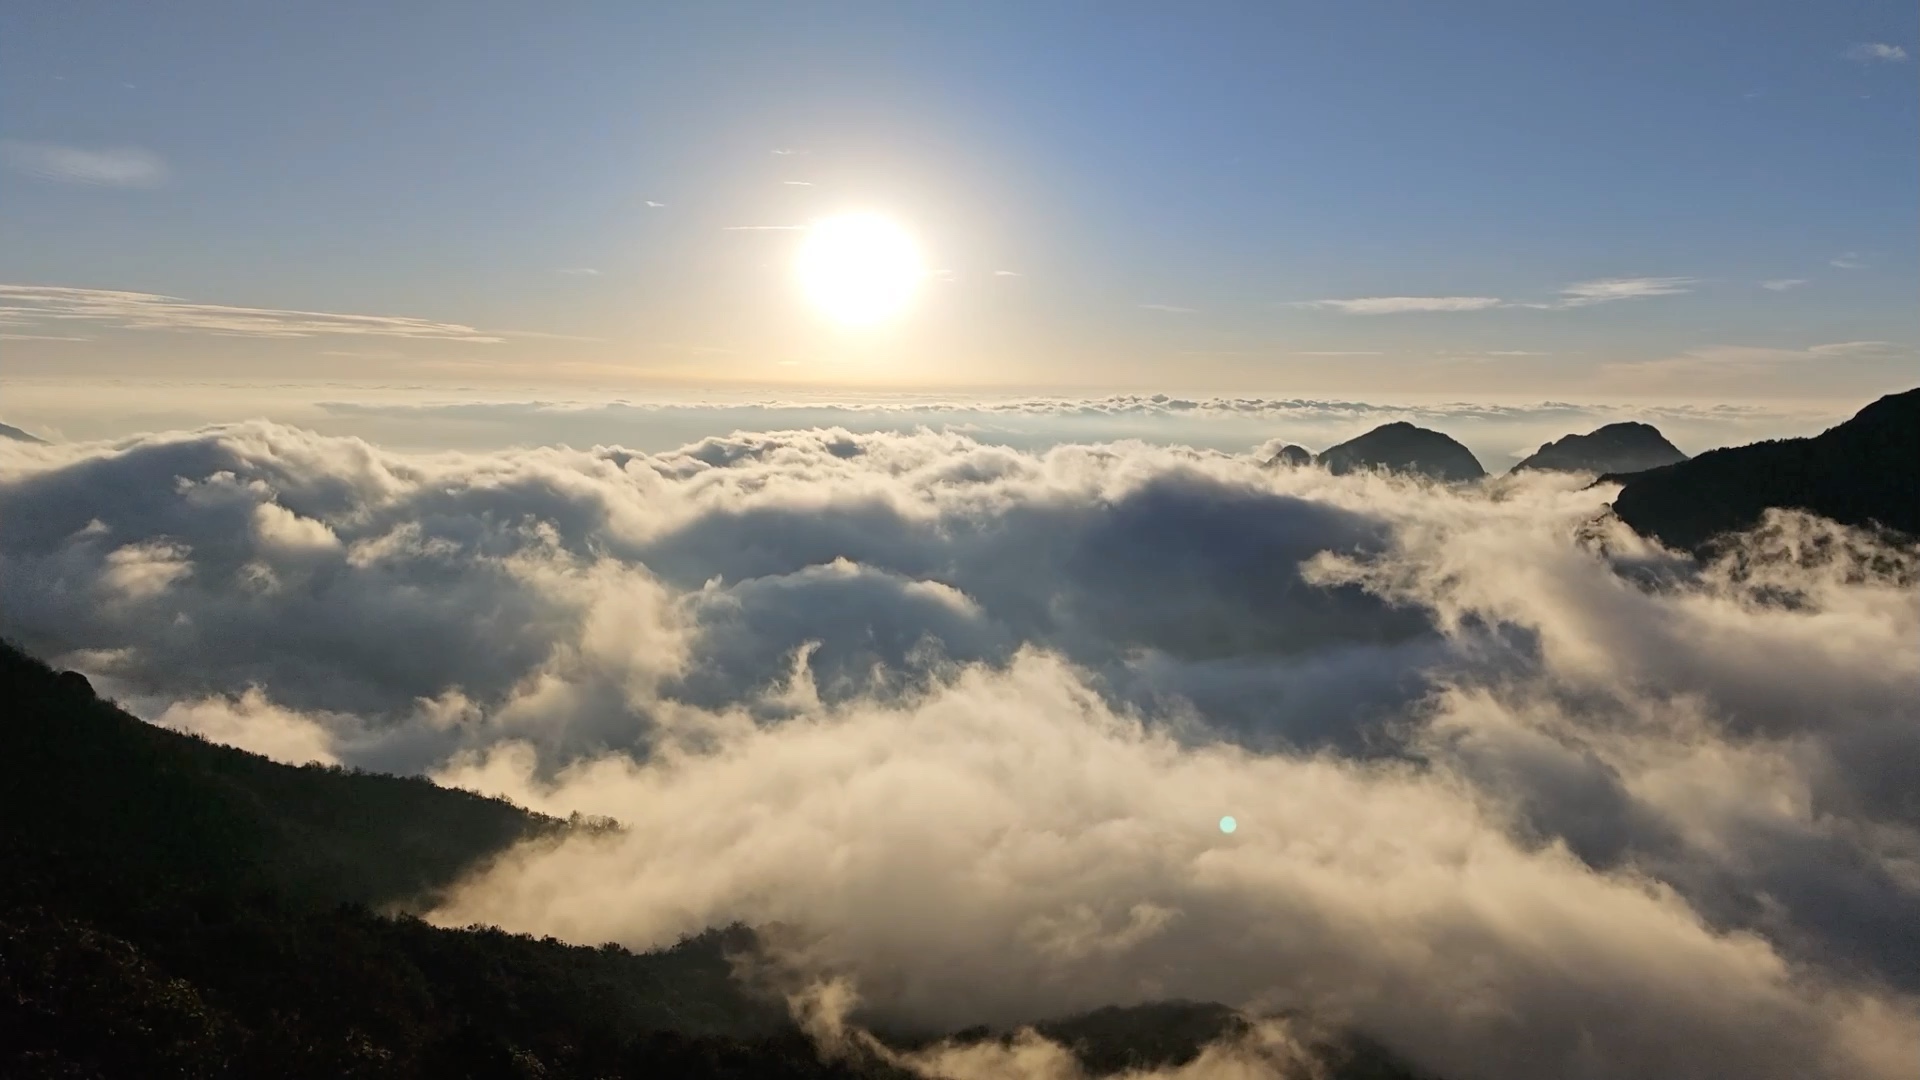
(1118, 196)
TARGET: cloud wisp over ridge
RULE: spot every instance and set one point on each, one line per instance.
(962, 718)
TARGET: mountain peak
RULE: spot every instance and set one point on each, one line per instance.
(1625, 447)
(1402, 447)
(1291, 455)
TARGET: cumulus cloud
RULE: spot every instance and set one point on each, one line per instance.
(1518, 794)
(61, 305)
(114, 166)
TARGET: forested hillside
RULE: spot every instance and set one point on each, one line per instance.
(176, 908)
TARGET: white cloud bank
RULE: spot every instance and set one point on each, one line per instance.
(1518, 795)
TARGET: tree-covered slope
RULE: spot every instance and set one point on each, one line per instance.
(1863, 472)
(175, 908)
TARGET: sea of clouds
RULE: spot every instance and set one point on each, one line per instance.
(1518, 794)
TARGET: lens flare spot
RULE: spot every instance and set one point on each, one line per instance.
(1227, 824)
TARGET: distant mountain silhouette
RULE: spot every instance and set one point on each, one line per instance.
(170, 907)
(1615, 448)
(1404, 448)
(1865, 471)
(1291, 454)
(8, 431)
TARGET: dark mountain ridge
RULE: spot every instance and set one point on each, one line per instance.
(1863, 472)
(1612, 448)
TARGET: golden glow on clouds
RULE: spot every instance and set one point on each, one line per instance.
(859, 269)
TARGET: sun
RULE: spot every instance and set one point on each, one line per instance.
(859, 269)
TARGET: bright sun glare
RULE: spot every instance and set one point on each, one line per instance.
(859, 269)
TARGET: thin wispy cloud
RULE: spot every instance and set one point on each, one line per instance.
(797, 183)
(1007, 273)
(761, 228)
(1877, 52)
(1172, 309)
(787, 153)
(112, 166)
(1341, 352)
(1579, 294)
(1727, 364)
(33, 305)
(1855, 348)
(1608, 290)
(543, 335)
(1400, 305)
(1847, 261)
(578, 271)
(364, 354)
(655, 205)
(694, 348)
(1783, 284)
